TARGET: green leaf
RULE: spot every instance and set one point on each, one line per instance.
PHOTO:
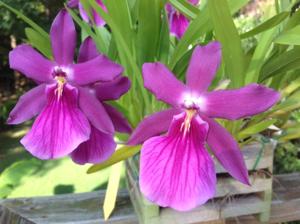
(26, 20)
(293, 86)
(270, 23)
(278, 65)
(39, 42)
(121, 154)
(164, 40)
(287, 106)
(289, 37)
(255, 129)
(293, 21)
(227, 34)
(290, 133)
(185, 8)
(259, 55)
(112, 190)
(148, 34)
(119, 13)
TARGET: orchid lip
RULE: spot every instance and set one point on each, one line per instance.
(61, 75)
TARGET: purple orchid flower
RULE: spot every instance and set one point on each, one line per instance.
(101, 145)
(65, 107)
(84, 15)
(178, 23)
(175, 169)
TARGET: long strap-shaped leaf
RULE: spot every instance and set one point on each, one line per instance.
(185, 8)
(227, 34)
(268, 24)
(120, 155)
(112, 190)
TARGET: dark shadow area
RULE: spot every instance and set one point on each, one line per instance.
(64, 189)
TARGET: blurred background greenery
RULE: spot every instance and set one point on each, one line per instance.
(21, 175)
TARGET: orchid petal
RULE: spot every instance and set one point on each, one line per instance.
(239, 103)
(152, 125)
(194, 2)
(112, 90)
(83, 13)
(203, 66)
(26, 108)
(119, 121)
(175, 170)
(227, 151)
(170, 9)
(72, 3)
(87, 51)
(31, 63)
(97, 69)
(163, 84)
(98, 19)
(59, 128)
(94, 111)
(63, 38)
(97, 149)
(178, 24)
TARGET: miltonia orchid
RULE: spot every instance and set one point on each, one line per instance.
(63, 99)
(178, 23)
(84, 15)
(175, 169)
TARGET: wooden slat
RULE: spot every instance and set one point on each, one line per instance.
(66, 209)
(86, 208)
(212, 210)
(229, 186)
(286, 201)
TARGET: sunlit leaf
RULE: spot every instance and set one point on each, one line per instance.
(112, 190)
(39, 42)
(255, 129)
(289, 37)
(120, 155)
(185, 8)
(283, 63)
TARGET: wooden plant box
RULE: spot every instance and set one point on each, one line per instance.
(232, 198)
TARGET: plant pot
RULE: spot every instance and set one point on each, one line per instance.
(232, 198)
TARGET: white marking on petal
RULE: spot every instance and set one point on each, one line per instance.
(191, 101)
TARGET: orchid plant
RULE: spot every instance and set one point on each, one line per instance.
(135, 55)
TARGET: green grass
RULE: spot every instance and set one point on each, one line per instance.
(24, 176)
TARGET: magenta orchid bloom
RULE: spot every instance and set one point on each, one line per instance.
(97, 18)
(175, 169)
(101, 145)
(178, 23)
(65, 108)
